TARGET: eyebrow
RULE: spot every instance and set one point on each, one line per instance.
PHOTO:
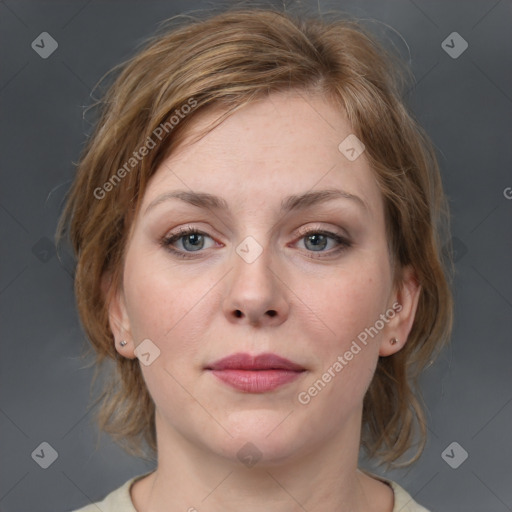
(289, 203)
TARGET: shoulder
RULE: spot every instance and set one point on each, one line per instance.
(403, 500)
(119, 499)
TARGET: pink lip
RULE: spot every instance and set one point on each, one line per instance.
(255, 374)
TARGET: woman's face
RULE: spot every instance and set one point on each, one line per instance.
(274, 267)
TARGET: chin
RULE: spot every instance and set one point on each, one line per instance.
(262, 436)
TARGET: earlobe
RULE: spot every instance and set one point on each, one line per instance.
(125, 349)
(407, 296)
(118, 317)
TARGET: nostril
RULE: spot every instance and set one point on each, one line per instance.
(238, 313)
(271, 312)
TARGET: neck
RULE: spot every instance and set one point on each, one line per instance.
(323, 477)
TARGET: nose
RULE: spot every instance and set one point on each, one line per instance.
(256, 293)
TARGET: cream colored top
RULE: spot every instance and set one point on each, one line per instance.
(120, 500)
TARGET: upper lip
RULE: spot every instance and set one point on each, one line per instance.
(242, 361)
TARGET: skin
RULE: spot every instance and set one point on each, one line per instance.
(290, 303)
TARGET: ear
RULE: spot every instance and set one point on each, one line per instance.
(405, 303)
(117, 316)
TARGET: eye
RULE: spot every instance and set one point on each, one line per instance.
(317, 240)
(191, 240)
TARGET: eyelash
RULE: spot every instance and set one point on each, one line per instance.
(167, 242)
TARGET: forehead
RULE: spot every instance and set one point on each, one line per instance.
(284, 144)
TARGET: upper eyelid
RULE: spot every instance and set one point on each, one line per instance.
(182, 232)
(185, 230)
(314, 229)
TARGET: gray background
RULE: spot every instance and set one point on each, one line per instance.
(465, 104)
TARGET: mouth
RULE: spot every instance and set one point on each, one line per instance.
(255, 374)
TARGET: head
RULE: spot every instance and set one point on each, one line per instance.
(255, 107)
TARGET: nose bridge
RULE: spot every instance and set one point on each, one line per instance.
(252, 262)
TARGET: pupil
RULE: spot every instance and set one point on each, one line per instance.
(318, 240)
(194, 240)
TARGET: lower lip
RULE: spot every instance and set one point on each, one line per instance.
(256, 381)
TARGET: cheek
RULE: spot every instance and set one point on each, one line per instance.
(158, 297)
(344, 365)
(163, 305)
(350, 303)
(347, 302)
(151, 303)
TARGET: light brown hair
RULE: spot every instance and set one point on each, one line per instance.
(226, 61)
